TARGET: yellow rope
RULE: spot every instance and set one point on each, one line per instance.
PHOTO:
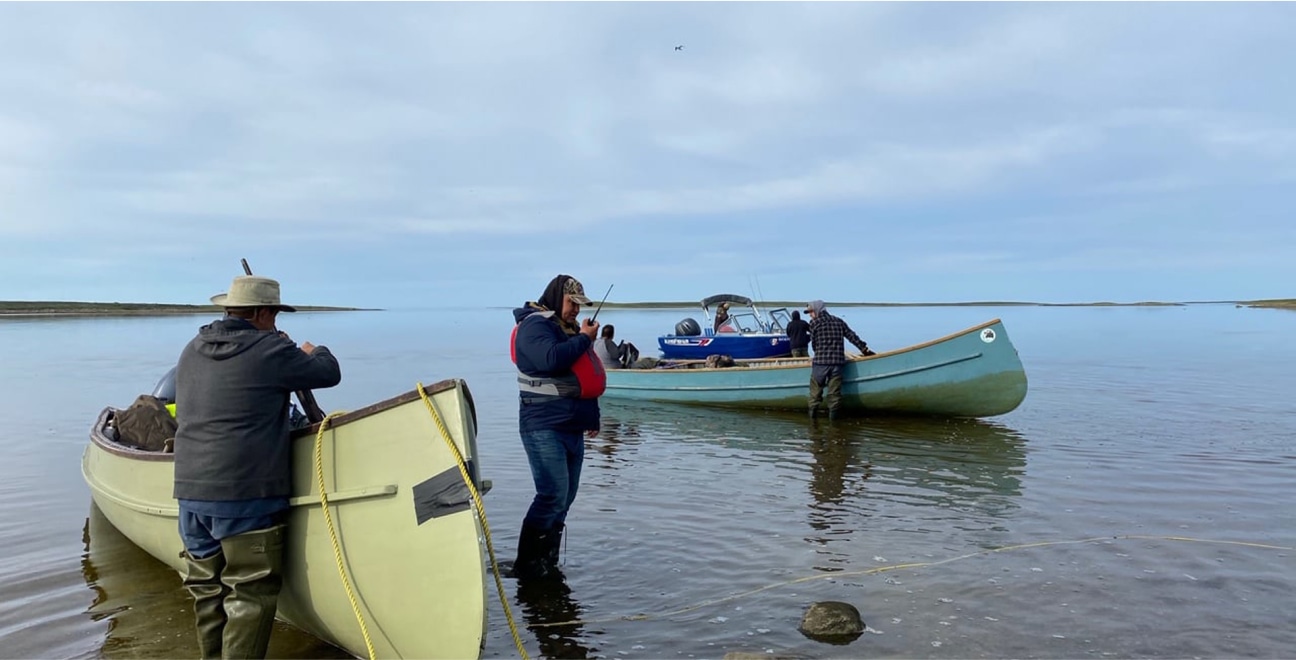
(328, 520)
(897, 567)
(481, 515)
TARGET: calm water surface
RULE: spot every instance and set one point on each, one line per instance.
(1131, 498)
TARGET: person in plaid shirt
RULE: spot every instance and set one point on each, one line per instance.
(827, 337)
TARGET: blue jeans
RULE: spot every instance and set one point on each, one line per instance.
(204, 524)
(556, 458)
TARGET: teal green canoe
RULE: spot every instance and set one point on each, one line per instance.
(972, 373)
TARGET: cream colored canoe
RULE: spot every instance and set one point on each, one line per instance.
(411, 540)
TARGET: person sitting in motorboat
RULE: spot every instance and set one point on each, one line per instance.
(722, 317)
(618, 355)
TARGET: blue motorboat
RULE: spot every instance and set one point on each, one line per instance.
(744, 335)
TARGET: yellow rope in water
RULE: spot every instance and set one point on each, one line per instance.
(328, 520)
(481, 515)
(896, 567)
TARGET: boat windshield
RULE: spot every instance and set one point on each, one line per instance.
(744, 322)
(779, 320)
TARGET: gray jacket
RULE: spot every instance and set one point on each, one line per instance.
(232, 387)
(607, 352)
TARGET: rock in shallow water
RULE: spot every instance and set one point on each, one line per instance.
(833, 622)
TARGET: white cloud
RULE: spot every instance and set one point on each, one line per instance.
(421, 127)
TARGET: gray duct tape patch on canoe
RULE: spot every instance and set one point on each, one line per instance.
(442, 495)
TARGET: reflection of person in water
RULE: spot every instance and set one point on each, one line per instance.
(831, 450)
(965, 465)
(545, 604)
(833, 517)
(828, 472)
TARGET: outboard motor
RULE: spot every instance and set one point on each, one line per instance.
(688, 328)
(166, 388)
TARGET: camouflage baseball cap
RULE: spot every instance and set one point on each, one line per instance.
(572, 287)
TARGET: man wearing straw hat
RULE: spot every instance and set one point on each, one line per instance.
(232, 470)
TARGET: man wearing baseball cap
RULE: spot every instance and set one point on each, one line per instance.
(558, 382)
(827, 337)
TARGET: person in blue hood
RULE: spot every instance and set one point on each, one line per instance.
(232, 471)
(558, 408)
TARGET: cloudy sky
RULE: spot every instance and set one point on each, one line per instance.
(415, 154)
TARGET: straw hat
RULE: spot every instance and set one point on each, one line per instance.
(252, 291)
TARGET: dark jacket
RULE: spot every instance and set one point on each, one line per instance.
(799, 332)
(544, 350)
(721, 318)
(828, 334)
(232, 388)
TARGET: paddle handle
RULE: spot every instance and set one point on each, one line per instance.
(305, 397)
(310, 406)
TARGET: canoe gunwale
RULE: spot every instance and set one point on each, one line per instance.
(930, 342)
(100, 437)
(386, 404)
(801, 362)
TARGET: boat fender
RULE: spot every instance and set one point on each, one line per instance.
(588, 370)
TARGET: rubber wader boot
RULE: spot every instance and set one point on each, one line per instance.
(532, 557)
(254, 575)
(554, 545)
(832, 414)
(202, 577)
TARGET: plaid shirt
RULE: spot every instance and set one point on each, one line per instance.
(827, 335)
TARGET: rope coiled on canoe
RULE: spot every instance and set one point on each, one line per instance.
(481, 516)
(328, 520)
(477, 505)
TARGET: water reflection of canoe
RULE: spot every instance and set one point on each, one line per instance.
(973, 373)
(946, 461)
(411, 541)
(865, 481)
(143, 605)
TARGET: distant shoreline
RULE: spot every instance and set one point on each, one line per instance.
(65, 308)
(1281, 303)
(1287, 303)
